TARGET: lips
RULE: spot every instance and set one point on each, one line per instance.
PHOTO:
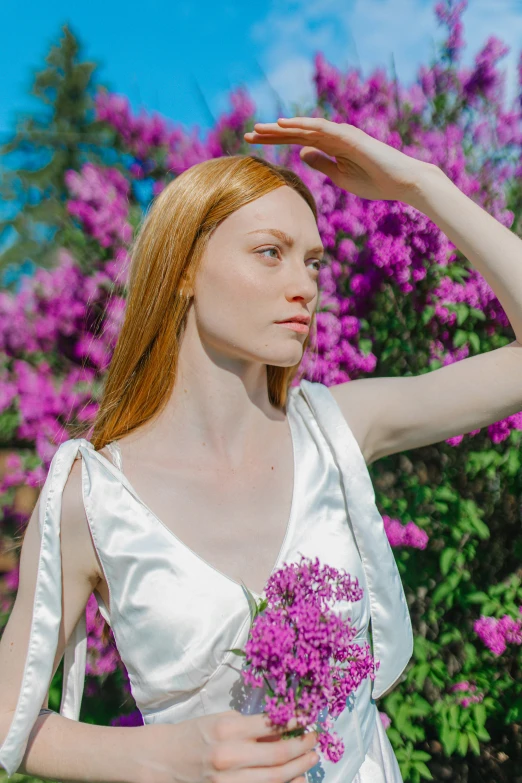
(298, 319)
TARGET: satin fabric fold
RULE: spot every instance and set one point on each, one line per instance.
(391, 623)
(174, 616)
(46, 619)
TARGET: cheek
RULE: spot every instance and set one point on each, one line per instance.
(228, 304)
(234, 284)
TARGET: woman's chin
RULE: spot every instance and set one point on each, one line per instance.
(285, 358)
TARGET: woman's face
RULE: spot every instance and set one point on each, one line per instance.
(261, 265)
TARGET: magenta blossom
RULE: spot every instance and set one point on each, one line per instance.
(467, 687)
(303, 652)
(496, 634)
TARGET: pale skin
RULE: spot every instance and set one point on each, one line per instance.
(221, 456)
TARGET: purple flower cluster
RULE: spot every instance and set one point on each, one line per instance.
(467, 687)
(140, 135)
(101, 203)
(385, 720)
(133, 718)
(405, 535)
(303, 652)
(497, 633)
(55, 347)
(102, 659)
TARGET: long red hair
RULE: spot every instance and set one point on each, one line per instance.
(165, 256)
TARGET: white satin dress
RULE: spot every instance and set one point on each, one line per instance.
(174, 615)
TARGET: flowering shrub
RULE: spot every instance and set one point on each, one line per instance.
(397, 298)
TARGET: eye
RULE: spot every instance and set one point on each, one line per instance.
(320, 262)
(267, 249)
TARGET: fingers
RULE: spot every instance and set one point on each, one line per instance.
(274, 132)
(259, 726)
(318, 161)
(234, 755)
(305, 123)
(330, 137)
(275, 138)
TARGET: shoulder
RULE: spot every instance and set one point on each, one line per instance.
(353, 400)
(78, 548)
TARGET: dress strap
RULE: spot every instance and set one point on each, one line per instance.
(114, 449)
(392, 634)
(46, 619)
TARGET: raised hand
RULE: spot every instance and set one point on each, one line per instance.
(361, 164)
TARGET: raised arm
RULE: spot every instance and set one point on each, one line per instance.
(389, 415)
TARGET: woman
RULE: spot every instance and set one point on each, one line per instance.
(201, 442)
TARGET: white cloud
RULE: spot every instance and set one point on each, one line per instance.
(365, 34)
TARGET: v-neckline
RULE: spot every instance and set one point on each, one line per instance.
(126, 483)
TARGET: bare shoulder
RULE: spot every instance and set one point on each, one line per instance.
(358, 400)
(78, 551)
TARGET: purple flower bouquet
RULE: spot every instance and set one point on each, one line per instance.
(302, 651)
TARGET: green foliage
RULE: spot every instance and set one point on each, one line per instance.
(61, 137)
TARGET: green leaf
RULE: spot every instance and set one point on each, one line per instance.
(365, 346)
(454, 712)
(514, 713)
(463, 744)
(446, 559)
(474, 744)
(474, 341)
(427, 314)
(262, 605)
(419, 705)
(460, 338)
(421, 671)
(476, 598)
(480, 714)
(236, 650)
(462, 312)
(482, 529)
(449, 738)
(441, 592)
(423, 770)
(445, 493)
(420, 755)
(454, 635)
(513, 461)
(252, 603)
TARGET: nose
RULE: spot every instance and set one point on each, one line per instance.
(301, 285)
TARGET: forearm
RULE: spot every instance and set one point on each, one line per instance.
(60, 749)
(494, 250)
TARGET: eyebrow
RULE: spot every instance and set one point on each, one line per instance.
(284, 237)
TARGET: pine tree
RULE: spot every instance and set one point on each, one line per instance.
(62, 137)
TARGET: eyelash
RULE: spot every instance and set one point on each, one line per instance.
(321, 261)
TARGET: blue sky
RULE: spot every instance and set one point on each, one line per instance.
(165, 55)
